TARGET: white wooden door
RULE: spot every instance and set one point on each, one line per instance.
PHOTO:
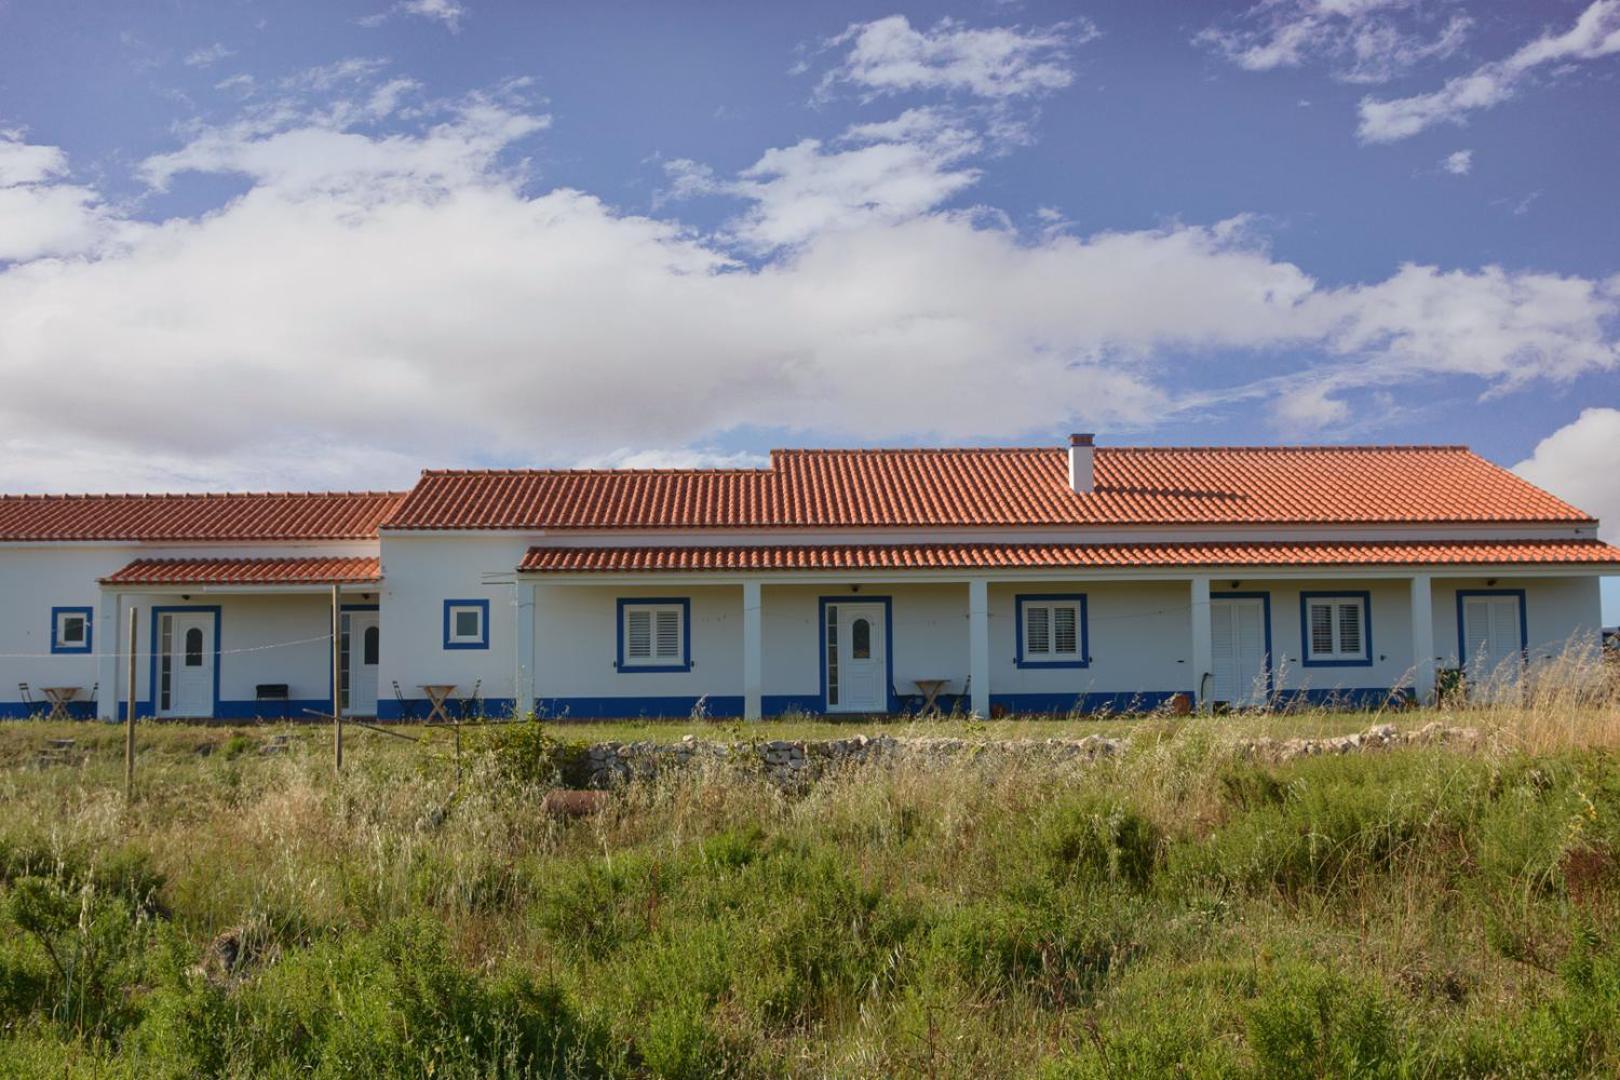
(1491, 636)
(857, 658)
(186, 659)
(361, 649)
(1238, 649)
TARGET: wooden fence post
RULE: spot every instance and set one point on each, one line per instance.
(129, 719)
(337, 679)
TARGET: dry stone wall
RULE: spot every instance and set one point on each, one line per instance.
(793, 762)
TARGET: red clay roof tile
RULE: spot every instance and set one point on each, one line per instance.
(313, 570)
(1016, 487)
(178, 518)
(576, 560)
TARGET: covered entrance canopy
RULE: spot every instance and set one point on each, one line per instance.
(241, 637)
(1233, 593)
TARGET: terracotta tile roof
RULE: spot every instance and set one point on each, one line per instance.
(314, 570)
(240, 517)
(1017, 487)
(575, 560)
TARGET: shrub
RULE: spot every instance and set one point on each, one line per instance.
(1099, 840)
(1309, 1022)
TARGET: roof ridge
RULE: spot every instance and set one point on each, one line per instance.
(244, 558)
(749, 470)
(106, 495)
(1049, 449)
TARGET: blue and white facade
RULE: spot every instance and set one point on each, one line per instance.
(451, 607)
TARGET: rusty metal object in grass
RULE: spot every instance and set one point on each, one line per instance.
(571, 803)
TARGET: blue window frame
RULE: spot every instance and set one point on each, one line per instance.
(655, 634)
(1051, 631)
(1335, 629)
(466, 624)
(71, 629)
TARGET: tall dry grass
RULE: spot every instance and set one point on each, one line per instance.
(1439, 910)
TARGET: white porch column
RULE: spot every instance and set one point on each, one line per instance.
(1203, 649)
(523, 591)
(753, 653)
(979, 645)
(1422, 639)
(112, 637)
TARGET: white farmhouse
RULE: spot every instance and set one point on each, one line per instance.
(860, 581)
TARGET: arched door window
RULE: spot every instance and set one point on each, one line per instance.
(860, 640)
(369, 648)
(194, 647)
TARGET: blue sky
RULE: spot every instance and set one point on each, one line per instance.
(312, 244)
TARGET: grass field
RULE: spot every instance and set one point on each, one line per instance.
(1177, 910)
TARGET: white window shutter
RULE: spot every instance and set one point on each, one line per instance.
(1321, 628)
(1065, 630)
(1037, 630)
(638, 634)
(1350, 628)
(669, 634)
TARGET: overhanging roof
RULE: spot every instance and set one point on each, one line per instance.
(313, 570)
(240, 516)
(982, 556)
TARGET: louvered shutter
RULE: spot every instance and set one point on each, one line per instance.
(1037, 631)
(638, 634)
(669, 633)
(1065, 630)
(1350, 628)
(1321, 628)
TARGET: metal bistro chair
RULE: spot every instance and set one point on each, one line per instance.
(407, 711)
(471, 707)
(32, 709)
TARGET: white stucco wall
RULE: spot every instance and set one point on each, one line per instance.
(37, 577)
(1139, 632)
(1139, 635)
(419, 575)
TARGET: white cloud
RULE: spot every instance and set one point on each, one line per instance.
(890, 171)
(393, 293)
(1364, 41)
(1458, 162)
(1576, 463)
(888, 56)
(241, 85)
(1596, 34)
(675, 458)
(448, 12)
(208, 55)
(41, 212)
(22, 163)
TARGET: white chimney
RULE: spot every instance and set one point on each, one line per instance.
(1081, 472)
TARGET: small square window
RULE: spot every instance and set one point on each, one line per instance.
(1052, 631)
(1335, 629)
(653, 635)
(70, 630)
(466, 624)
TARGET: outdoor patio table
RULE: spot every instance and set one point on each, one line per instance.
(438, 694)
(59, 697)
(929, 689)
